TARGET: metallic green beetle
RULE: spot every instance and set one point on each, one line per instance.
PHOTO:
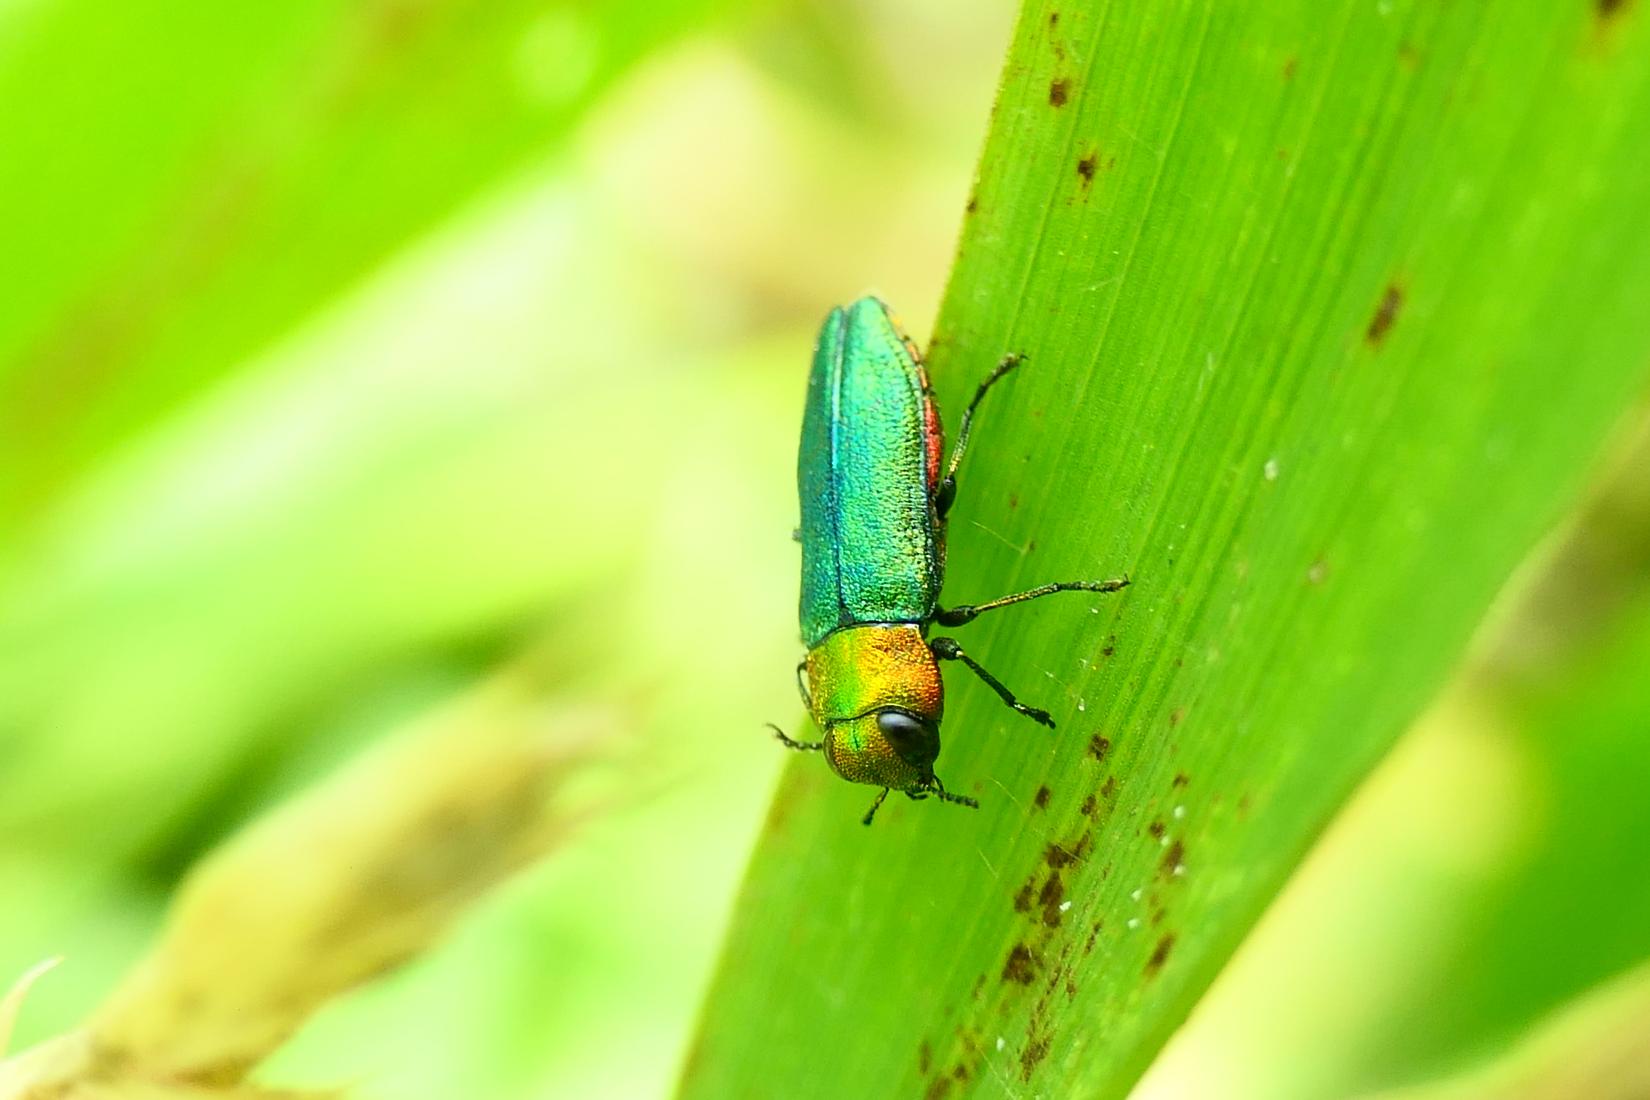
(874, 505)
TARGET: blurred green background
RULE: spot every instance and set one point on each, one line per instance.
(348, 350)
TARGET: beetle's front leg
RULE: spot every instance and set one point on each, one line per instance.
(799, 746)
(802, 685)
(947, 649)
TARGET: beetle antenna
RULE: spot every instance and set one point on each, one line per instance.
(799, 746)
(946, 796)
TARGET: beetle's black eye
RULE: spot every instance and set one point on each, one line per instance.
(916, 742)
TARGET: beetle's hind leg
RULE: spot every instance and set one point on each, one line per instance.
(790, 743)
(875, 806)
(968, 612)
(947, 649)
(947, 492)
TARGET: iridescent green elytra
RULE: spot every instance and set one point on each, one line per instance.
(874, 505)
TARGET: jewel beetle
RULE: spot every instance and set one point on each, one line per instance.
(875, 497)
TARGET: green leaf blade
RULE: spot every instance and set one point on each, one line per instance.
(1328, 312)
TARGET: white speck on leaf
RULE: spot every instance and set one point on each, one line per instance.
(1136, 895)
(1270, 469)
(1180, 811)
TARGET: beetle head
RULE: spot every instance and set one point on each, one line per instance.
(887, 747)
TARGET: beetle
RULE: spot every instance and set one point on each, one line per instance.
(874, 507)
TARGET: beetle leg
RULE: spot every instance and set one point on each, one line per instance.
(947, 649)
(968, 612)
(799, 746)
(872, 812)
(946, 796)
(947, 492)
(802, 685)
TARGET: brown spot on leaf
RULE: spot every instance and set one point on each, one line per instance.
(1090, 804)
(1022, 899)
(1057, 856)
(1040, 799)
(1109, 787)
(1058, 91)
(925, 1058)
(1099, 747)
(1036, 1050)
(1386, 314)
(1176, 715)
(1160, 954)
(1020, 967)
(1290, 65)
(1051, 895)
(1053, 19)
(1173, 857)
(1094, 934)
(1609, 9)
(1157, 829)
(1085, 168)
(1181, 779)
(938, 1089)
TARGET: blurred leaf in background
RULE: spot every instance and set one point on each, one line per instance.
(199, 178)
(350, 348)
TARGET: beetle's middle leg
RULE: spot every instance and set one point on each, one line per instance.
(968, 612)
(947, 649)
